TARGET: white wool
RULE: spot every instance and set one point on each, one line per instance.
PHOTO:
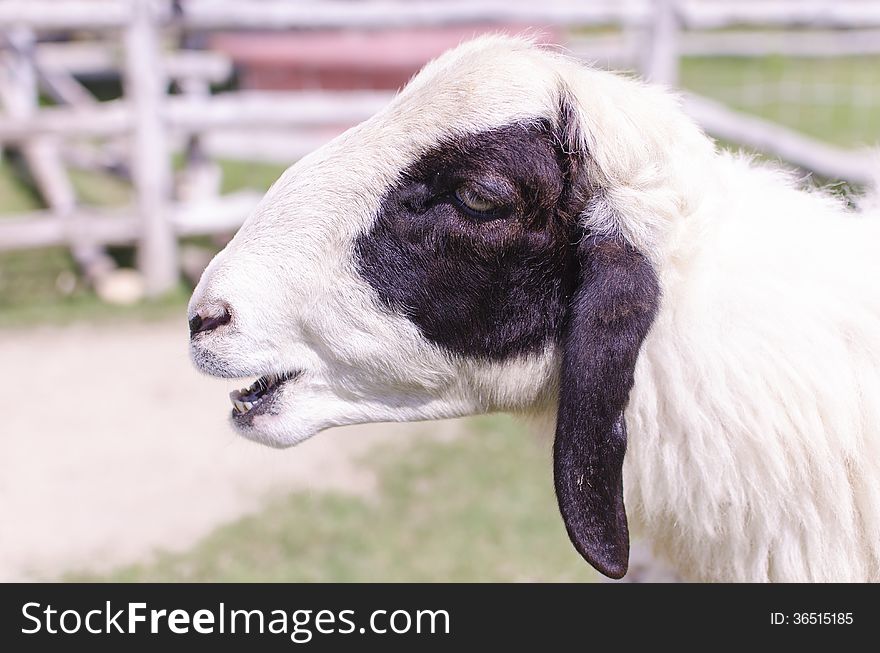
(754, 421)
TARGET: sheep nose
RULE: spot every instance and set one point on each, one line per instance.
(198, 323)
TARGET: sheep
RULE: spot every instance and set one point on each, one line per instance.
(520, 232)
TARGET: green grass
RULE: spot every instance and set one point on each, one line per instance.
(478, 508)
(100, 189)
(92, 188)
(15, 196)
(836, 100)
(249, 174)
(84, 306)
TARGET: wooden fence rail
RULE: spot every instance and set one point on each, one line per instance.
(808, 153)
(243, 109)
(382, 14)
(123, 225)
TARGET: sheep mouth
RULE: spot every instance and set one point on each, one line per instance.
(258, 397)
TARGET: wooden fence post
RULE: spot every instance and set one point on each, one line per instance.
(42, 154)
(145, 90)
(660, 59)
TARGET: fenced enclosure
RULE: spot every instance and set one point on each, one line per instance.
(797, 80)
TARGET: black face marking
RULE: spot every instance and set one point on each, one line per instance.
(482, 283)
(479, 245)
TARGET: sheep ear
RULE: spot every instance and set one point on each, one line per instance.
(611, 311)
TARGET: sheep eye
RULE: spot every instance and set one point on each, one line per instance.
(474, 204)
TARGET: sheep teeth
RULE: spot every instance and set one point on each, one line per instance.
(258, 388)
(240, 406)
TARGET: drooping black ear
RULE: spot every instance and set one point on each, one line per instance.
(611, 311)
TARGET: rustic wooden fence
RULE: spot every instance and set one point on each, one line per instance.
(653, 35)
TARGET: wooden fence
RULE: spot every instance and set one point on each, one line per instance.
(653, 36)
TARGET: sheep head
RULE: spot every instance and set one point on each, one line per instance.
(477, 246)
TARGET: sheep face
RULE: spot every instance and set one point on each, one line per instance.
(445, 299)
(432, 263)
(414, 268)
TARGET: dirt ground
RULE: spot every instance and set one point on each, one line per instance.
(112, 446)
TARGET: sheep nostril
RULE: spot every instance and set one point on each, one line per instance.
(199, 324)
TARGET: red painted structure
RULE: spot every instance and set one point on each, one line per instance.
(341, 60)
